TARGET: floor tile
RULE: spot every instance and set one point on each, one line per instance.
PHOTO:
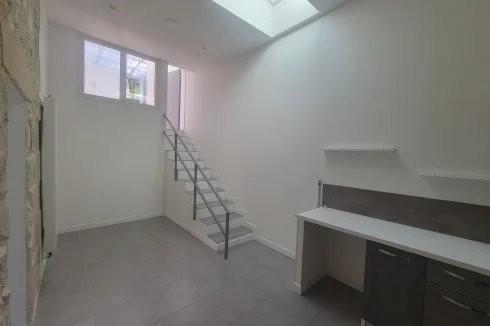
(61, 285)
(174, 297)
(237, 300)
(304, 308)
(100, 245)
(104, 272)
(334, 318)
(133, 313)
(143, 250)
(86, 322)
(64, 312)
(134, 274)
(156, 274)
(198, 314)
(114, 293)
(265, 315)
(208, 278)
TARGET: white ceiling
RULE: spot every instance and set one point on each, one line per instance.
(140, 26)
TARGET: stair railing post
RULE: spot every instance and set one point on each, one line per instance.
(227, 234)
(195, 193)
(175, 158)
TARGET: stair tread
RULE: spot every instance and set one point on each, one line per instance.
(221, 218)
(198, 179)
(214, 203)
(234, 233)
(205, 191)
(182, 169)
(186, 160)
(179, 143)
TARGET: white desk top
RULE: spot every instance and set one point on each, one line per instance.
(471, 255)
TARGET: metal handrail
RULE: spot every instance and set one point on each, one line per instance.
(195, 181)
(197, 167)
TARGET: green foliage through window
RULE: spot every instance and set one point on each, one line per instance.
(133, 90)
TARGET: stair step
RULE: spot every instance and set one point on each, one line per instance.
(182, 173)
(198, 179)
(182, 169)
(205, 191)
(221, 218)
(171, 132)
(180, 147)
(184, 138)
(214, 204)
(172, 156)
(219, 238)
(185, 156)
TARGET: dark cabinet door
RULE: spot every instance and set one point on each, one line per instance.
(394, 284)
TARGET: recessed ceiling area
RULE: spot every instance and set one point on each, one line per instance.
(271, 17)
(195, 35)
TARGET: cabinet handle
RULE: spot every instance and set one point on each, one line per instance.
(459, 304)
(460, 277)
(387, 253)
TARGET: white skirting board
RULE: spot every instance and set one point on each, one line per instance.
(276, 247)
(302, 289)
(106, 223)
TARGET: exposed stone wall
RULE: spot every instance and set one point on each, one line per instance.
(19, 57)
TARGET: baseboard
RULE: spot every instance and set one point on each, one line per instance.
(276, 247)
(302, 289)
(250, 225)
(187, 228)
(106, 223)
(297, 288)
(237, 241)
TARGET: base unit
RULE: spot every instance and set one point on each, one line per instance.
(447, 308)
(393, 286)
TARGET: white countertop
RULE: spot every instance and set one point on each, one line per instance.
(471, 255)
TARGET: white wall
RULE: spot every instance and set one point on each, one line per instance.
(110, 155)
(412, 74)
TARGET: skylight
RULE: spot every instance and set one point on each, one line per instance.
(273, 2)
(271, 17)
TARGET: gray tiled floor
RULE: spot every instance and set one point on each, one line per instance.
(153, 273)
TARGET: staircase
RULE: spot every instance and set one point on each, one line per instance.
(179, 198)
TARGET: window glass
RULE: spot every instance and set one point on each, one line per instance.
(102, 70)
(140, 80)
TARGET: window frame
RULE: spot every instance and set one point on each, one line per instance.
(123, 72)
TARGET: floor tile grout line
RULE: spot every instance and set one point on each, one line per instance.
(86, 276)
(248, 313)
(176, 312)
(314, 317)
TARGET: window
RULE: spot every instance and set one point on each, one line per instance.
(119, 74)
(102, 71)
(140, 80)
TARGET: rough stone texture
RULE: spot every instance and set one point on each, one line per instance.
(19, 57)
